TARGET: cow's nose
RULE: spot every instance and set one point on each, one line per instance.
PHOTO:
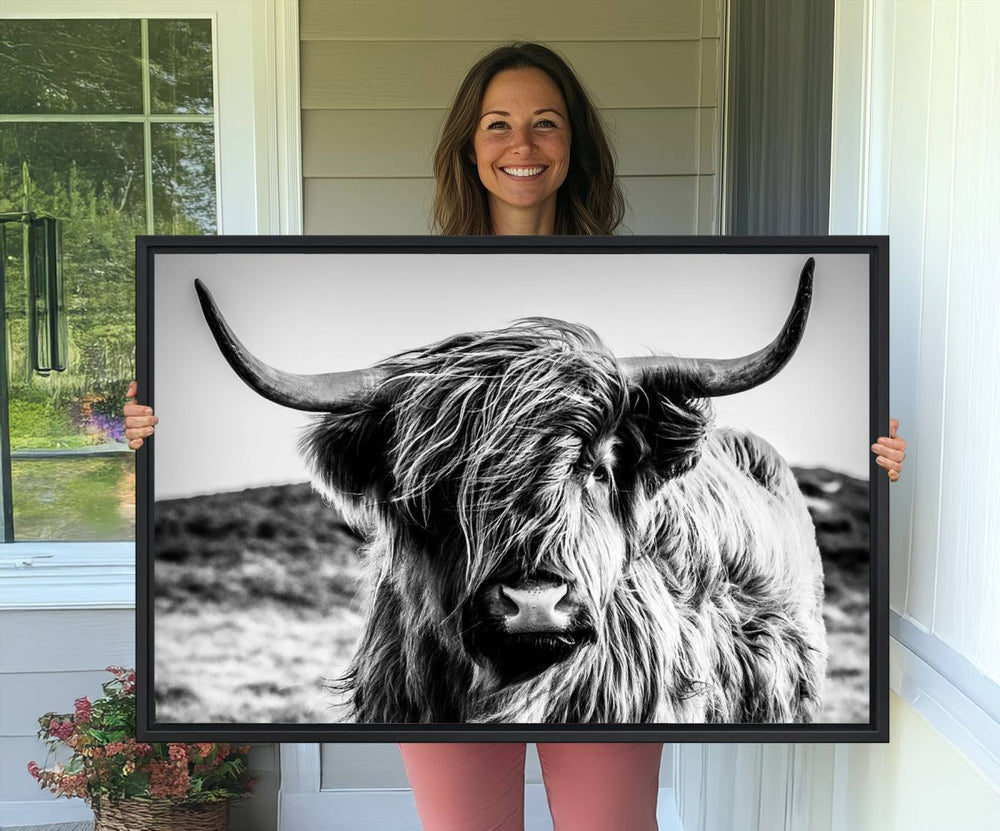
(541, 606)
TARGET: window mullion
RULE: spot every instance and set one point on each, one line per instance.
(147, 128)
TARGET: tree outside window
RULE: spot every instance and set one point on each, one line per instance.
(109, 127)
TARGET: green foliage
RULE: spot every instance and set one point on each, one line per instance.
(107, 762)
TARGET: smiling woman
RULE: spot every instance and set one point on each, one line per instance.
(523, 151)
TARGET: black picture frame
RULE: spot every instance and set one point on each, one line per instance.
(876, 248)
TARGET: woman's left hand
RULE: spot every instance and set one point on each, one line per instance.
(890, 451)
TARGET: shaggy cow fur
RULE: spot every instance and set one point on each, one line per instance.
(525, 449)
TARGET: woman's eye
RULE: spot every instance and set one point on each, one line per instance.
(493, 125)
(546, 123)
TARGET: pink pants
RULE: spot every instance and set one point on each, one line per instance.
(480, 787)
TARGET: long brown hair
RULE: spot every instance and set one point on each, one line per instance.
(590, 200)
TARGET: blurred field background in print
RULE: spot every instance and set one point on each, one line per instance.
(259, 598)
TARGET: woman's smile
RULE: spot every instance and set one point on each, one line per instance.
(524, 172)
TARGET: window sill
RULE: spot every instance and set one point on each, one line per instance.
(67, 575)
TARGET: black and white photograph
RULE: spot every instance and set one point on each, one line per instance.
(510, 486)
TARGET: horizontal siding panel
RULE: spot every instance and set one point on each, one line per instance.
(661, 204)
(372, 75)
(367, 206)
(708, 140)
(375, 20)
(708, 205)
(711, 69)
(655, 142)
(26, 696)
(711, 18)
(16, 784)
(360, 765)
(369, 143)
(657, 205)
(400, 143)
(61, 641)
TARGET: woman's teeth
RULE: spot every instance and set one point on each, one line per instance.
(522, 172)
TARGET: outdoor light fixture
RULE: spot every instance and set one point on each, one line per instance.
(47, 331)
(48, 335)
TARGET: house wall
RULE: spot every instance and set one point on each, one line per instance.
(377, 78)
(916, 101)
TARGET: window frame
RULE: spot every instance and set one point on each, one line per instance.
(257, 120)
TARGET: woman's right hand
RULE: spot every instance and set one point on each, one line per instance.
(139, 419)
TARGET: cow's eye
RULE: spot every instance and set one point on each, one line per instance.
(601, 474)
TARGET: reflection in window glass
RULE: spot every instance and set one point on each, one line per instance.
(72, 472)
(183, 179)
(70, 66)
(180, 66)
(76, 499)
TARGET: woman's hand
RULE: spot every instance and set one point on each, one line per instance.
(139, 420)
(890, 451)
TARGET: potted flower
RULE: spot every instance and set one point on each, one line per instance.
(133, 785)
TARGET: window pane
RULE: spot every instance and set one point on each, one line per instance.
(90, 176)
(184, 179)
(75, 499)
(70, 66)
(180, 66)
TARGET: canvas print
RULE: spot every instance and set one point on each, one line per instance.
(511, 488)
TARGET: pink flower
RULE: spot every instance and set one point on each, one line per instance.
(178, 752)
(82, 710)
(34, 770)
(168, 779)
(61, 729)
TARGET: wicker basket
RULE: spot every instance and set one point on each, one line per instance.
(161, 815)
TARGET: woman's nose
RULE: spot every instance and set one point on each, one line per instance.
(522, 139)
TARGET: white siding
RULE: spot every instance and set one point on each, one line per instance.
(934, 187)
(48, 660)
(377, 78)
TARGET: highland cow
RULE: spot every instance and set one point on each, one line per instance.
(557, 535)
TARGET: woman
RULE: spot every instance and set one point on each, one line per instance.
(523, 151)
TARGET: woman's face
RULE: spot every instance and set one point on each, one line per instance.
(522, 140)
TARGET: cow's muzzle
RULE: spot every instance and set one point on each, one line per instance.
(539, 605)
(523, 626)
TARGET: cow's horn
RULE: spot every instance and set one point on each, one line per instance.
(725, 376)
(315, 393)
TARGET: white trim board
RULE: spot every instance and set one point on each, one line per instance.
(90, 575)
(959, 719)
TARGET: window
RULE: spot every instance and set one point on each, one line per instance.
(109, 127)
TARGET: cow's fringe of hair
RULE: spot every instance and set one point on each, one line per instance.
(499, 415)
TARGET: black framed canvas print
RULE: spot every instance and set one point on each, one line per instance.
(545, 489)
